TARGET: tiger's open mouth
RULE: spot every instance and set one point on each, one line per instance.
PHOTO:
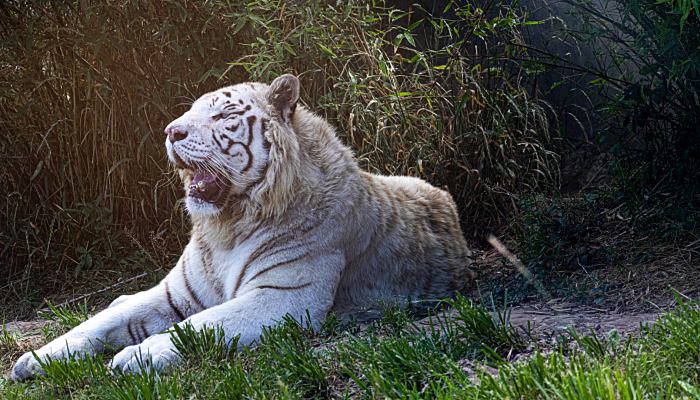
(206, 187)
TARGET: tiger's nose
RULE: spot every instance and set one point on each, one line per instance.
(174, 133)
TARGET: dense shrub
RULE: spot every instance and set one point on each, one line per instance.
(661, 103)
(644, 58)
(417, 95)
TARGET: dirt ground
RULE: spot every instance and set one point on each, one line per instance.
(552, 318)
(547, 319)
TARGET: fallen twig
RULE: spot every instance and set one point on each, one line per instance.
(503, 250)
(85, 296)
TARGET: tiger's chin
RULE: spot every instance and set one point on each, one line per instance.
(199, 207)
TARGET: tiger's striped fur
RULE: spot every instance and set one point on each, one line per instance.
(284, 222)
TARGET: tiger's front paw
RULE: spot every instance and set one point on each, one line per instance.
(155, 353)
(28, 366)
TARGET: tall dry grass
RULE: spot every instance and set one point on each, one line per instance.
(86, 88)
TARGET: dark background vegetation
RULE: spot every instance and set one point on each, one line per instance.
(569, 128)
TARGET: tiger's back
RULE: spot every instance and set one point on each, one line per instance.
(409, 246)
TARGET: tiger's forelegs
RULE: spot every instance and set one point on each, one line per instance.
(244, 316)
(128, 321)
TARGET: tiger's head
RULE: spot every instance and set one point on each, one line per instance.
(231, 144)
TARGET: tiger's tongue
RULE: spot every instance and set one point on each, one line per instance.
(205, 186)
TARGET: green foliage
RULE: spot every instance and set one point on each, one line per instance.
(651, 366)
(409, 99)
(74, 372)
(208, 344)
(63, 318)
(595, 345)
(146, 386)
(7, 338)
(398, 359)
(648, 63)
(685, 8)
(474, 324)
(9, 345)
(677, 336)
(287, 351)
(67, 317)
(394, 367)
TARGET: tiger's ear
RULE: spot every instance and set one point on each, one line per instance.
(283, 95)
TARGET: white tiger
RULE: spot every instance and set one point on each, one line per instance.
(284, 222)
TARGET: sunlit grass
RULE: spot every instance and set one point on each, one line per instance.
(397, 358)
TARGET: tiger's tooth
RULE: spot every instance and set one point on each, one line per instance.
(200, 186)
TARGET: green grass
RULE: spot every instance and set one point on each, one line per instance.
(63, 319)
(466, 352)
